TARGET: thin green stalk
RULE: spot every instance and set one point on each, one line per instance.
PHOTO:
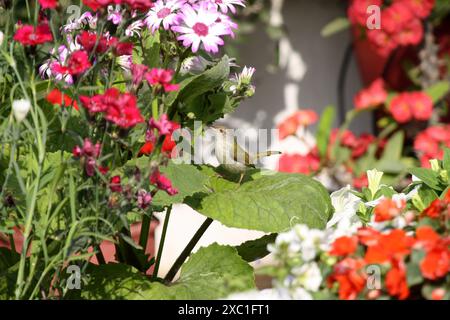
(145, 228)
(161, 242)
(187, 251)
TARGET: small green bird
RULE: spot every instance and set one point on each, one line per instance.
(232, 156)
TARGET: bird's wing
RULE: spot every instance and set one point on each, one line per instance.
(240, 155)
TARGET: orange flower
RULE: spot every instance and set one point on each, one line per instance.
(388, 209)
(391, 246)
(436, 263)
(343, 246)
(300, 118)
(349, 274)
(57, 97)
(396, 284)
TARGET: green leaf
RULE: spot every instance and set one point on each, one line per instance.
(438, 91)
(272, 203)
(324, 129)
(337, 25)
(211, 273)
(256, 249)
(390, 160)
(428, 176)
(446, 160)
(194, 86)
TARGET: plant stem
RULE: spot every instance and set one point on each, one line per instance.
(99, 256)
(187, 251)
(161, 242)
(145, 228)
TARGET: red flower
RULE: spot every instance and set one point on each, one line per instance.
(349, 274)
(119, 108)
(169, 143)
(88, 40)
(300, 118)
(162, 182)
(57, 97)
(28, 35)
(438, 208)
(296, 163)
(388, 209)
(361, 145)
(420, 8)
(163, 125)
(78, 62)
(48, 4)
(161, 77)
(344, 246)
(421, 105)
(361, 181)
(372, 96)
(430, 142)
(396, 284)
(146, 149)
(400, 108)
(123, 111)
(357, 11)
(436, 263)
(123, 48)
(114, 184)
(388, 247)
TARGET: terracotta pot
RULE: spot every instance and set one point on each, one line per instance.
(107, 247)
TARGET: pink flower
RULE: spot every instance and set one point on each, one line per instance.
(162, 183)
(164, 12)
(225, 5)
(161, 77)
(138, 72)
(400, 108)
(296, 163)
(164, 125)
(430, 143)
(372, 96)
(29, 35)
(144, 198)
(201, 27)
(48, 4)
(89, 152)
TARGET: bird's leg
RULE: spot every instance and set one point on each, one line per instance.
(242, 177)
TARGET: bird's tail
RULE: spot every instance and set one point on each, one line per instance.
(267, 154)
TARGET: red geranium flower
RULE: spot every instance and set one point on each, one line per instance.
(296, 163)
(114, 184)
(391, 246)
(420, 8)
(28, 35)
(57, 97)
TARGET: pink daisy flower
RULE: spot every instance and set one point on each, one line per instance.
(164, 12)
(225, 5)
(202, 26)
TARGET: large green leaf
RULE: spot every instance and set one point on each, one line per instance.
(337, 25)
(438, 91)
(272, 203)
(210, 273)
(256, 249)
(324, 129)
(194, 86)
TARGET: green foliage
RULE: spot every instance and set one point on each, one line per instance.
(210, 273)
(256, 249)
(324, 130)
(335, 26)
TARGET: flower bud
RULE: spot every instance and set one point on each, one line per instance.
(1, 38)
(20, 109)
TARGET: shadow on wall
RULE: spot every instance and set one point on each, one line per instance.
(308, 77)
